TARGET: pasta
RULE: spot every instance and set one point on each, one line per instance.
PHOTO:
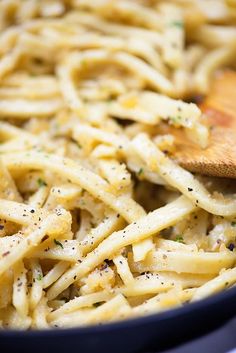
(97, 221)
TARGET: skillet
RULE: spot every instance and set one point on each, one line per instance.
(152, 333)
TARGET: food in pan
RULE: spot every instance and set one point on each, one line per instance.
(97, 221)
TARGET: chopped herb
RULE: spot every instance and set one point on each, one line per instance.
(233, 224)
(140, 171)
(41, 182)
(175, 119)
(179, 239)
(78, 144)
(39, 277)
(178, 24)
(57, 242)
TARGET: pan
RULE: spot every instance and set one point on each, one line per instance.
(152, 333)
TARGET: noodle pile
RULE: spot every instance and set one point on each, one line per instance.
(97, 221)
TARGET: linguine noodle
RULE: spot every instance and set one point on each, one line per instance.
(97, 221)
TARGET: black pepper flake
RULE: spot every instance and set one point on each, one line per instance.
(5, 253)
(58, 212)
(231, 246)
(45, 238)
(190, 189)
(32, 211)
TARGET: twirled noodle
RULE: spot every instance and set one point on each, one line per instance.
(97, 223)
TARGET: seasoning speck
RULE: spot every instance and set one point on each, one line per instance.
(41, 182)
(179, 239)
(5, 253)
(57, 242)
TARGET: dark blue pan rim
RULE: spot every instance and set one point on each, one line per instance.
(212, 301)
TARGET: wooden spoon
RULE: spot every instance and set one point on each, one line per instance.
(219, 158)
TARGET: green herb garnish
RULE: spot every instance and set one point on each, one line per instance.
(57, 242)
(140, 171)
(178, 24)
(175, 119)
(41, 182)
(179, 239)
(39, 277)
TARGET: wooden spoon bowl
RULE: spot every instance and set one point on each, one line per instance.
(219, 158)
